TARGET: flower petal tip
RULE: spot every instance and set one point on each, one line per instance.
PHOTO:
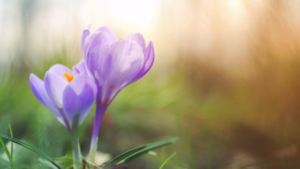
(31, 76)
(88, 26)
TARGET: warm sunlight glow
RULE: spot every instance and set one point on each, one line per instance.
(139, 12)
(235, 5)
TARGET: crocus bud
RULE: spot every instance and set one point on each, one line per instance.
(68, 94)
(114, 63)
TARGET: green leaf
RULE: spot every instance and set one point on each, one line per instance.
(33, 149)
(7, 153)
(124, 155)
(163, 164)
(12, 144)
(136, 152)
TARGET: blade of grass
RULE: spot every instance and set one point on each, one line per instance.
(31, 164)
(131, 154)
(122, 156)
(149, 147)
(89, 163)
(163, 164)
(33, 149)
(189, 149)
(7, 153)
(12, 144)
(162, 154)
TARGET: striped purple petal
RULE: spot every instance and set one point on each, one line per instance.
(38, 89)
(78, 98)
(148, 62)
(55, 85)
(138, 38)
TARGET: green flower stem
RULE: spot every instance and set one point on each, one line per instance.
(76, 147)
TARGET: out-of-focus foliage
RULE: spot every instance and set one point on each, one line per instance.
(226, 80)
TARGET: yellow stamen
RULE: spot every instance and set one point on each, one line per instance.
(120, 38)
(69, 77)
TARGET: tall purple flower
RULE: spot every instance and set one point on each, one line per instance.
(114, 63)
(68, 94)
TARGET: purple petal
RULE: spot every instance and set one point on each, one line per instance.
(59, 70)
(78, 98)
(38, 88)
(111, 37)
(149, 54)
(98, 56)
(55, 85)
(80, 68)
(127, 59)
(138, 38)
(149, 59)
(85, 34)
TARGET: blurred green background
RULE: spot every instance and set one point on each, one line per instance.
(226, 80)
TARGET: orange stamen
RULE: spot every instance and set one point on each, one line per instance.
(69, 77)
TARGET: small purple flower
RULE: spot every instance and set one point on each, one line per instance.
(114, 63)
(68, 94)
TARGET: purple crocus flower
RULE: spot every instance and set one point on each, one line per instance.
(68, 94)
(114, 63)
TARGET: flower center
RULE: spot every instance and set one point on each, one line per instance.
(69, 77)
(120, 38)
